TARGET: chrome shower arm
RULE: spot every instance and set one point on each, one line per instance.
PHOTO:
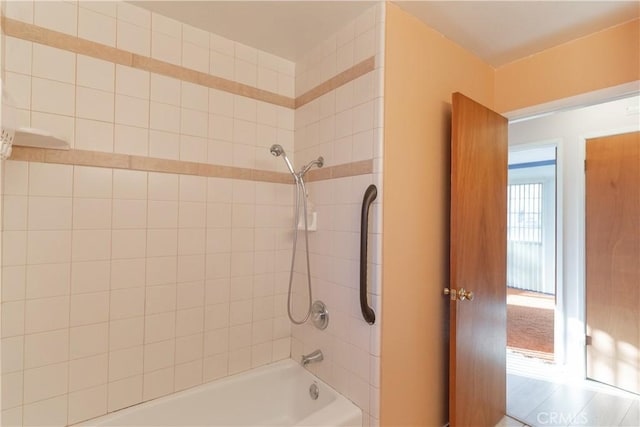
(318, 162)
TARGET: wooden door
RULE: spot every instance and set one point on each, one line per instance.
(477, 377)
(613, 260)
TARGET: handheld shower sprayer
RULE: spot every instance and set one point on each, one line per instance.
(300, 199)
(277, 151)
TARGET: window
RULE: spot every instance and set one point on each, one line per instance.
(524, 219)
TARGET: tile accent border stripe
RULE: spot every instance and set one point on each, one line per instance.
(363, 167)
(150, 164)
(44, 36)
(36, 34)
(336, 81)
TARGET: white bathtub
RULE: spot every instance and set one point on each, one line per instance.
(273, 395)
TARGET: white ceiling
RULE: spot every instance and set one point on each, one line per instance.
(284, 28)
(496, 31)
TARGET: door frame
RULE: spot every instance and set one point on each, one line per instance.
(574, 328)
(559, 318)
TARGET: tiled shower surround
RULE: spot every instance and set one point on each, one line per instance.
(344, 125)
(123, 284)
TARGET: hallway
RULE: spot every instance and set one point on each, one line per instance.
(539, 394)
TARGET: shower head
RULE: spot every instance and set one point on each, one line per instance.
(277, 150)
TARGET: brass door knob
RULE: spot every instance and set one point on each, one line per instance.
(464, 294)
(461, 294)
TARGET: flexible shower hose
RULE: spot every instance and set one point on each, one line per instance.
(300, 188)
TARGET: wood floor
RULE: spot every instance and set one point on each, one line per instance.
(554, 401)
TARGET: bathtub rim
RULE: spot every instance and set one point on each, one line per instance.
(340, 401)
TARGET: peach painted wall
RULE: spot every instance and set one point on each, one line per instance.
(422, 70)
(604, 59)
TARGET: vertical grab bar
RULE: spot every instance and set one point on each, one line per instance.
(369, 196)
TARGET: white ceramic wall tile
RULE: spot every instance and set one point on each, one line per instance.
(246, 53)
(286, 85)
(193, 188)
(221, 65)
(164, 145)
(163, 186)
(48, 247)
(57, 16)
(165, 25)
(88, 372)
(128, 244)
(166, 48)
(126, 333)
(159, 327)
(131, 140)
(364, 46)
(159, 355)
(221, 102)
(128, 273)
(49, 213)
(129, 184)
(49, 96)
(92, 182)
(89, 308)
(158, 383)
(195, 36)
(18, 55)
(131, 111)
(246, 72)
(221, 44)
(94, 104)
(133, 38)
(111, 232)
(124, 393)
(12, 355)
(125, 363)
(194, 97)
(195, 57)
(341, 126)
(13, 283)
(239, 360)
(96, 27)
(91, 245)
(45, 382)
(91, 340)
(46, 348)
(133, 14)
(47, 280)
(165, 89)
(54, 64)
(87, 404)
(194, 123)
(46, 412)
(164, 117)
(132, 82)
(161, 270)
(103, 7)
(19, 10)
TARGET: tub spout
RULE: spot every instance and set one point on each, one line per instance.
(316, 356)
